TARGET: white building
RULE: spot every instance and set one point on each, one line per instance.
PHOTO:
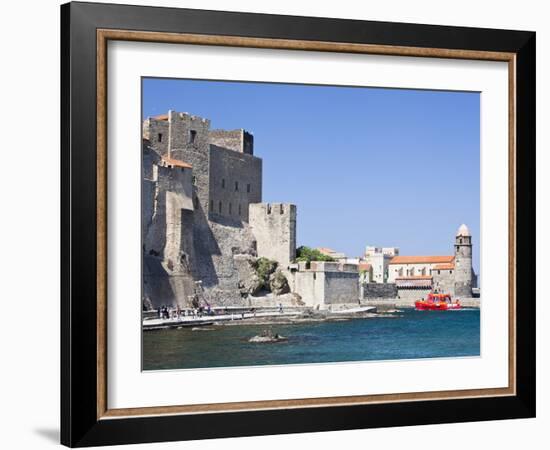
(365, 272)
(417, 271)
(379, 258)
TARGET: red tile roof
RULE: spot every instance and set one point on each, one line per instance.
(176, 162)
(422, 259)
(365, 266)
(160, 117)
(415, 277)
(444, 266)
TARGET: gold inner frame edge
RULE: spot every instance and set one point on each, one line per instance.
(103, 36)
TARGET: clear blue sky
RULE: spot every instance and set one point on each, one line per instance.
(384, 167)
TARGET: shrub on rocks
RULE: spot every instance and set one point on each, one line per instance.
(264, 267)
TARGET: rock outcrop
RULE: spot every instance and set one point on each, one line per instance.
(249, 283)
(278, 283)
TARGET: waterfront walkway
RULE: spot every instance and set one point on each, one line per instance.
(250, 316)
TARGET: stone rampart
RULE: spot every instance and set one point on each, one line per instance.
(321, 284)
(412, 294)
(379, 290)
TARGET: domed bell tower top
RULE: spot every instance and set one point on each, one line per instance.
(463, 238)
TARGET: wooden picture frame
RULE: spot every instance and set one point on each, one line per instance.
(85, 417)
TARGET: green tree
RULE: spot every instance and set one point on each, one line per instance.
(308, 254)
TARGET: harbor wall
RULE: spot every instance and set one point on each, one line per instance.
(320, 284)
(412, 294)
(309, 286)
(341, 287)
(379, 290)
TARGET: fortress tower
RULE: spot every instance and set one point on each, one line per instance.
(463, 262)
(226, 178)
(274, 228)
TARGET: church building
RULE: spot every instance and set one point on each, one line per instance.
(452, 274)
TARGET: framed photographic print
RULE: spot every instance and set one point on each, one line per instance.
(277, 224)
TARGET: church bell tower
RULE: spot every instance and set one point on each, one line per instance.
(463, 263)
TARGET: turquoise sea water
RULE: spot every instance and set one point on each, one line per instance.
(409, 335)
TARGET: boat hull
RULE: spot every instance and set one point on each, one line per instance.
(435, 306)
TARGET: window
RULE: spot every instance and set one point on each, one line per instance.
(236, 186)
(248, 188)
(195, 202)
(239, 209)
(230, 208)
(194, 180)
(160, 137)
(223, 183)
(211, 205)
(220, 207)
(192, 136)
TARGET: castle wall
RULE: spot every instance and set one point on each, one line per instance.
(232, 241)
(150, 158)
(231, 139)
(310, 285)
(325, 283)
(167, 233)
(158, 134)
(148, 195)
(274, 228)
(379, 290)
(237, 140)
(341, 287)
(235, 182)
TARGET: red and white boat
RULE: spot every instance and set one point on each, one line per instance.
(437, 302)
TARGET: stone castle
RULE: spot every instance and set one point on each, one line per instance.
(204, 226)
(203, 219)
